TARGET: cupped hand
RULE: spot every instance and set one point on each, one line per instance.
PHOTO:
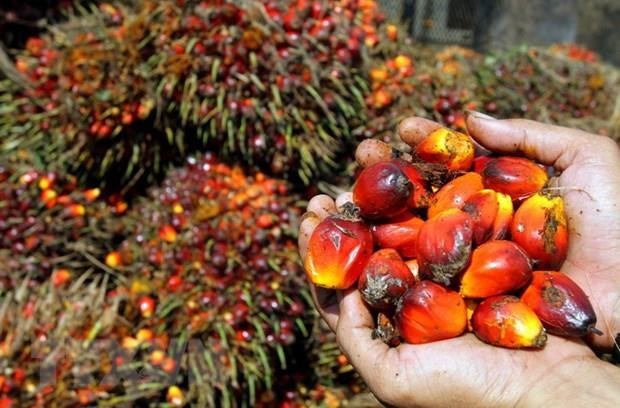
(464, 371)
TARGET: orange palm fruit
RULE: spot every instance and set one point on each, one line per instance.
(167, 233)
(421, 192)
(492, 215)
(496, 268)
(113, 259)
(561, 305)
(384, 279)
(400, 234)
(540, 227)
(338, 250)
(516, 176)
(382, 190)
(430, 312)
(444, 245)
(453, 149)
(455, 193)
(505, 321)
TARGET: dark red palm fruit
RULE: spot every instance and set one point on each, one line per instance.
(444, 146)
(505, 321)
(480, 163)
(492, 215)
(382, 190)
(516, 176)
(400, 234)
(429, 312)
(496, 268)
(455, 193)
(540, 227)
(421, 191)
(444, 246)
(384, 279)
(338, 250)
(561, 304)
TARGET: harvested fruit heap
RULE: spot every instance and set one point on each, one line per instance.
(211, 260)
(434, 256)
(561, 84)
(123, 91)
(49, 227)
(203, 302)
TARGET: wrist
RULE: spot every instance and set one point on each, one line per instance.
(577, 381)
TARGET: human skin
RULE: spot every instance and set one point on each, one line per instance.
(465, 372)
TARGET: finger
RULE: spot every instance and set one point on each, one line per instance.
(308, 223)
(354, 334)
(412, 130)
(342, 199)
(371, 151)
(327, 303)
(322, 205)
(547, 144)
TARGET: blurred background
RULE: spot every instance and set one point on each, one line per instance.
(487, 25)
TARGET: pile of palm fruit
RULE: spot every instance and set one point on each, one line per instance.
(154, 161)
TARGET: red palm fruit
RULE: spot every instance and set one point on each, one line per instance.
(430, 312)
(60, 277)
(561, 305)
(382, 190)
(146, 305)
(421, 192)
(516, 176)
(496, 268)
(453, 149)
(400, 234)
(505, 321)
(480, 163)
(455, 193)
(384, 279)
(338, 250)
(540, 227)
(492, 215)
(444, 245)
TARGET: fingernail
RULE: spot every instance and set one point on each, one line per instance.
(478, 115)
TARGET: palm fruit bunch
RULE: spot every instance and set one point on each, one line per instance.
(212, 273)
(560, 84)
(49, 227)
(119, 92)
(479, 247)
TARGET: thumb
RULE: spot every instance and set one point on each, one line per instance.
(547, 144)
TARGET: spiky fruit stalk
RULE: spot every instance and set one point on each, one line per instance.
(261, 80)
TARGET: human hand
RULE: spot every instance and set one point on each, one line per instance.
(464, 371)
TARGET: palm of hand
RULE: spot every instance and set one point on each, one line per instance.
(466, 372)
(594, 225)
